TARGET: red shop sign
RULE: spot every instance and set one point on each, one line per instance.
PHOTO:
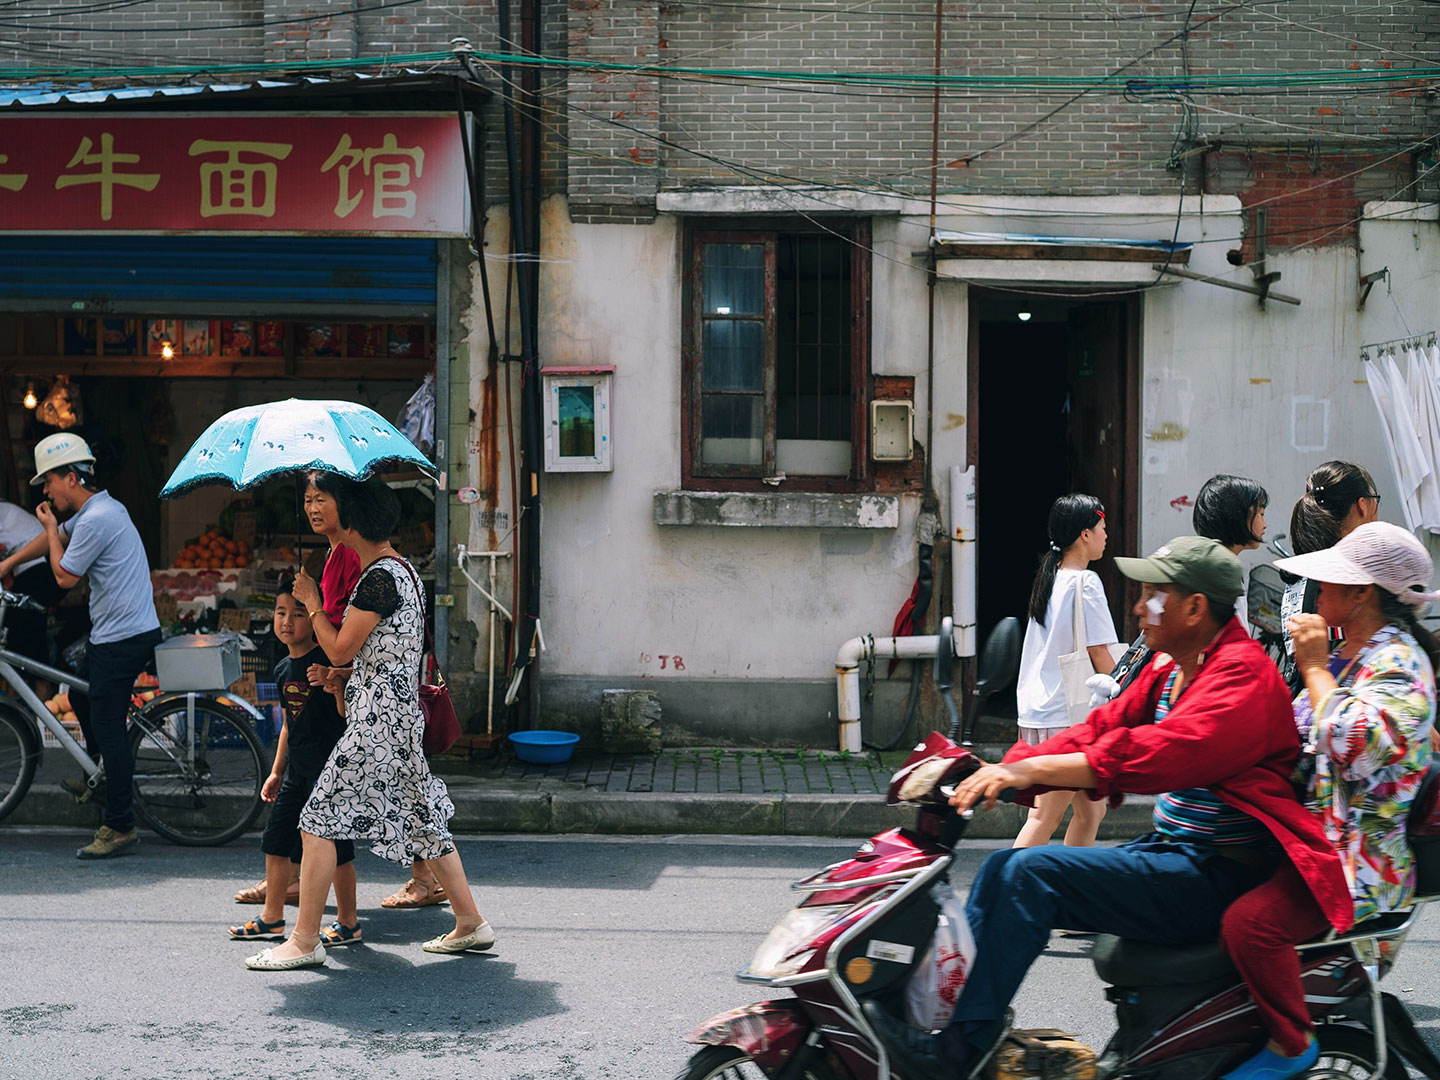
(391, 174)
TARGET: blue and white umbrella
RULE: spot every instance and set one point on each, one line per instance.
(257, 443)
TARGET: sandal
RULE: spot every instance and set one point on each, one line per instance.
(430, 892)
(337, 933)
(265, 960)
(259, 928)
(255, 894)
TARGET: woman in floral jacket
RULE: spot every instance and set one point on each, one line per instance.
(1366, 717)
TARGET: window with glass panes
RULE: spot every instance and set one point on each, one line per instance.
(775, 357)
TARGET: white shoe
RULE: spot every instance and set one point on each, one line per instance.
(482, 937)
(265, 961)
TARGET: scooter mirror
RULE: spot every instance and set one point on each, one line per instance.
(999, 659)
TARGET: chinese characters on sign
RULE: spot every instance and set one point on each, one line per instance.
(229, 187)
(107, 177)
(310, 174)
(393, 196)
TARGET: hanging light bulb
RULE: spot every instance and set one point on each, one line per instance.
(167, 350)
(30, 400)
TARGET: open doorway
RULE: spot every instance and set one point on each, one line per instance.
(1054, 408)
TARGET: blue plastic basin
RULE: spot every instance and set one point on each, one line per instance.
(544, 747)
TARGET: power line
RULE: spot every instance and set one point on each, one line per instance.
(249, 24)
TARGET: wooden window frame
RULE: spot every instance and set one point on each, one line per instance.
(700, 477)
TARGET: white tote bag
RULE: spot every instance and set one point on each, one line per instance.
(1076, 667)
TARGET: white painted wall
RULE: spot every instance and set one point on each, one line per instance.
(619, 591)
(1236, 389)
(1271, 394)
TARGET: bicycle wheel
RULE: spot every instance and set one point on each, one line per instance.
(19, 754)
(196, 784)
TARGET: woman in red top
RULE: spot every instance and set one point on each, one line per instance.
(337, 582)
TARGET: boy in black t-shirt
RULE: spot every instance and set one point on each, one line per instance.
(314, 721)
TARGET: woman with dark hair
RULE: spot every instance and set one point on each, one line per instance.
(1366, 716)
(1064, 594)
(376, 785)
(1339, 497)
(1231, 509)
(342, 571)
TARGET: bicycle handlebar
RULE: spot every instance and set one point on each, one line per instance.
(21, 601)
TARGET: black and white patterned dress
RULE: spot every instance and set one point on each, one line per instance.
(377, 785)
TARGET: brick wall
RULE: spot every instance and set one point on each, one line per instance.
(175, 33)
(614, 147)
(604, 146)
(1307, 199)
(997, 139)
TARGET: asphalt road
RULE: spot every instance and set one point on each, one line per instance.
(610, 949)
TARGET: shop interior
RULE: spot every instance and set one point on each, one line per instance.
(141, 390)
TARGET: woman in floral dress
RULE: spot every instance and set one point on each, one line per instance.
(1365, 717)
(376, 785)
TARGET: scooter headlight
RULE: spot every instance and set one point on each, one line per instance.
(790, 945)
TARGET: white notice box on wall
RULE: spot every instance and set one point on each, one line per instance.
(892, 430)
(577, 418)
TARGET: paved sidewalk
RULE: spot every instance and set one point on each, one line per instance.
(743, 772)
(677, 791)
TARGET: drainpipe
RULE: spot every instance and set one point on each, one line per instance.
(962, 562)
(872, 650)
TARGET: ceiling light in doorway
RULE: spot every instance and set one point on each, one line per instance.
(167, 351)
(30, 400)
(1023, 316)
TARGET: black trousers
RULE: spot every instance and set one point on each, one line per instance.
(113, 668)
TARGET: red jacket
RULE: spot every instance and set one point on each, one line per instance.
(1232, 731)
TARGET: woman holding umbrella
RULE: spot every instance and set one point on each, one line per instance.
(376, 785)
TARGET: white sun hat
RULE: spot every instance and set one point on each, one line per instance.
(58, 450)
(1375, 554)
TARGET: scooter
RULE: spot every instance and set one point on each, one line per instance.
(865, 924)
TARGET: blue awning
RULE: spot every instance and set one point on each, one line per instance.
(219, 276)
(51, 94)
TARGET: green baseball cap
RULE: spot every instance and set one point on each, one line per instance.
(1192, 562)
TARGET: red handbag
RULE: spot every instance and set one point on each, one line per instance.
(442, 726)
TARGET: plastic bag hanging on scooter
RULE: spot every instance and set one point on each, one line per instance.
(938, 979)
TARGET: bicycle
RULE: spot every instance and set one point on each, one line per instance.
(199, 766)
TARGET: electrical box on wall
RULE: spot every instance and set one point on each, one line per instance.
(892, 430)
(577, 418)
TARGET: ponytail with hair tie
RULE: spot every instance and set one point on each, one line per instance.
(1070, 515)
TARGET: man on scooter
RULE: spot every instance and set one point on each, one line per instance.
(1210, 733)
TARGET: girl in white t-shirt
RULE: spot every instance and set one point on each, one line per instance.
(1077, 538)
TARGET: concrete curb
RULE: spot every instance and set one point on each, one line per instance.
(561, 809)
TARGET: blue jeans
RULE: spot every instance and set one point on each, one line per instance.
(1149, 890)
(113, 668)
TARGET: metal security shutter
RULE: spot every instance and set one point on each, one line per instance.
(218, 276)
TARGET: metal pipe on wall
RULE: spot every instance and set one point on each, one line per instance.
(441, 613)
(871, 650)
(962, 560)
